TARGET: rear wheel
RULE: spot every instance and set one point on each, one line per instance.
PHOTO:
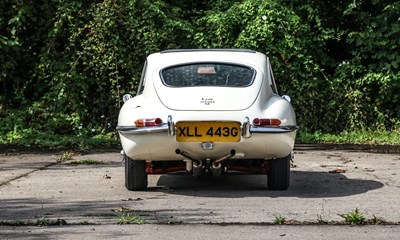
(279, 175)
(135, 174)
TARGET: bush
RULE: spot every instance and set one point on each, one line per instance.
(64, 65)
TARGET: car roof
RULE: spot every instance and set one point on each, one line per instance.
(183, 56)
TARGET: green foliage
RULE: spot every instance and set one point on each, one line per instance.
(279, 220)
(43, 221)
(370, 99)
(354, 217)
(368, 81)
(66, 156)
(64, 65)
(87, 162)
(350, 137)
(375, 33)
(315, 62)
(86, 55)
(127, 218)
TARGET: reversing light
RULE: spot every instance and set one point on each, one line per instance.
(266, 122)
(148, 122)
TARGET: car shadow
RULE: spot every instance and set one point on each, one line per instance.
(302, 185)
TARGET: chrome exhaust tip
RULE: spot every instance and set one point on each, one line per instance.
(198, 169)
(216, 166)
(216, 169)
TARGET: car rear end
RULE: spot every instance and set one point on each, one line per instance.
(209, 110)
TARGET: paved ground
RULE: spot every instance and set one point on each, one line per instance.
(35, 187)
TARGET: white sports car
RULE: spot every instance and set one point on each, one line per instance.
(207, 111)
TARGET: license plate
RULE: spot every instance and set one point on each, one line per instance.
(208, 131)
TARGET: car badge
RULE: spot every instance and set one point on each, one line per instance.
(207, 101)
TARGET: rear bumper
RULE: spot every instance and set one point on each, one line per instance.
(280, 129)
(142, 130)
(159, 146)
(164, 128)
(159, 142)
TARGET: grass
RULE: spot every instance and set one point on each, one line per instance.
(279, 220)
(66, 156)
(127, 218)
(351, 137)
(354, 217)
(43, 221)
(87, 162)
(69, 155)
(36, 139)
(40, 222)
(13, 223)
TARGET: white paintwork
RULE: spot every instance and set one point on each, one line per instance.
(230, 104)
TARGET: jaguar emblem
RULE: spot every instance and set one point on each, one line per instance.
(207, 101)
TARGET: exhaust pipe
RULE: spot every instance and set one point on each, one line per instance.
(216, 166)
(188, 156)
(198, 167)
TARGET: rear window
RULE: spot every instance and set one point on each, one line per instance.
(208, 74)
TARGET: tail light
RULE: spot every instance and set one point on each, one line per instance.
(266, 122)
(148, 122)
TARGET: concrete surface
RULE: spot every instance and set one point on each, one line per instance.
(201, 232)
(325, 184)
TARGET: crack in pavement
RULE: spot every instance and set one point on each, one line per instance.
(4, 182)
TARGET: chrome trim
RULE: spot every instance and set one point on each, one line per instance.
(280, 129)
(189, 156)
(207, 145)
(246, 133)
(142, 130)
(247, 129)
(171, 127)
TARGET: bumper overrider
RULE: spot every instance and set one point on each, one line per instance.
(246, 130)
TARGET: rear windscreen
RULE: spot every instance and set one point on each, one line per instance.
(208, 74)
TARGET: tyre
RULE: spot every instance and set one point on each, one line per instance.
(135, 174)
(279, 175)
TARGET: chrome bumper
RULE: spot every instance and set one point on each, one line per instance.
(133, 130)
(247, 129)
(142, 130)
(280, 129)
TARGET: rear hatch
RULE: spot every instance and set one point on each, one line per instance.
(207, 87)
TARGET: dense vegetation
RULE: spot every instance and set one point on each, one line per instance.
(64, 65)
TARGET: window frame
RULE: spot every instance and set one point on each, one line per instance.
(253, 70)
(142, 80)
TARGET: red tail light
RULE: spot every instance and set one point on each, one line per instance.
(147, 122)
(266, 122)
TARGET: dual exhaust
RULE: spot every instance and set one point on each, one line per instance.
(199, 168)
